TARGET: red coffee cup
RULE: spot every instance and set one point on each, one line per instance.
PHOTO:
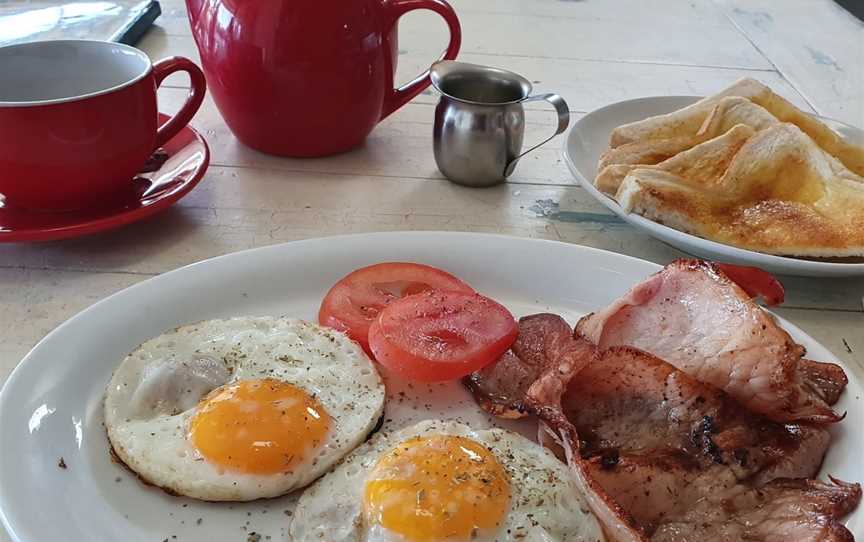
(78, 119)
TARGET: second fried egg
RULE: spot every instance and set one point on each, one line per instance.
(442, 481)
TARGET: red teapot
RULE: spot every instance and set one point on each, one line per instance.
(306, 77)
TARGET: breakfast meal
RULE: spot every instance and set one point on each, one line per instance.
(314, 379)
(743, 167)
(682, 411)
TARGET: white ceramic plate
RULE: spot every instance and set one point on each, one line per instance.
(51, 405)
(589, 138)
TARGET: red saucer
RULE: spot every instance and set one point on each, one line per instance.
(177, 171)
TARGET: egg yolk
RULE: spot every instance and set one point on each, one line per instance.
(437, 488)
(258, 426)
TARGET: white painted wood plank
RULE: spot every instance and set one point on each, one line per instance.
(816, 44)
(645, 35)
(622, 11)
(174, 19)
(33, 302)
(239, 208)
(401, 146)
(630, 32)
(586, 85)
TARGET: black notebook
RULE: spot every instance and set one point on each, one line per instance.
(115, 20)
(855, 7)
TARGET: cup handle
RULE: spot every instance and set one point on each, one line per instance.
(396, 98)
(198, 86)
(563, 121)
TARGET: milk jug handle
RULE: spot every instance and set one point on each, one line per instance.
(563, 121)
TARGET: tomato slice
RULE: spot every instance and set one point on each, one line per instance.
(355, 301)
(755, 282)
(436, 336)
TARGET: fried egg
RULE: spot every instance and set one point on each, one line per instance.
(241, 409)
(442, 481)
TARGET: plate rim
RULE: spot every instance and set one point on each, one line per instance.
(22, 367)
(815, 268)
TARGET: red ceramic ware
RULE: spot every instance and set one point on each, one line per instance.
(306, 77)
(174, 173)
(78, 119)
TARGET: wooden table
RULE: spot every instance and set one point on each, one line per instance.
(592, 52)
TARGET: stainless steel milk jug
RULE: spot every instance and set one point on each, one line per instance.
(480, 122)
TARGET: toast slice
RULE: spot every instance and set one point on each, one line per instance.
(689, 120)
(776, 191)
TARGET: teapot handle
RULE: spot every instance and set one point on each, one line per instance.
(393, 9)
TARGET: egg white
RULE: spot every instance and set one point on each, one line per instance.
(155, 392)
(545, 504)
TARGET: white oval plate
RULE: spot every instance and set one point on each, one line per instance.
(51, 406)
(589, 138)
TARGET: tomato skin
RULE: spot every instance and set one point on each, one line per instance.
(355, 301)
(437, 336)
(755, 282)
